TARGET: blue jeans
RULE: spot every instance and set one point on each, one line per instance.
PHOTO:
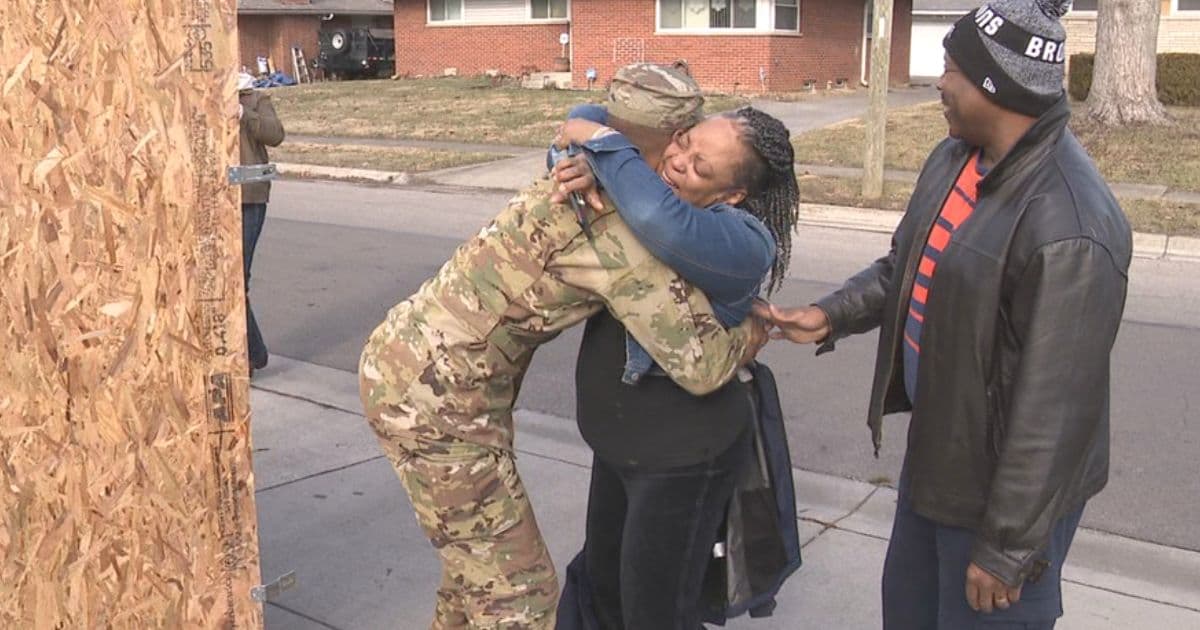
(924, 578)
(253, 217)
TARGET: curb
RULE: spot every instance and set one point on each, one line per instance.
(311, 171)
(440, 174)
(849, 218)
(418, 143)
(1185, 248)
(1145, 245)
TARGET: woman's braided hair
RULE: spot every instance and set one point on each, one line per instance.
(769, 178)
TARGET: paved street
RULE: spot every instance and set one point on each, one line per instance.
(334, 257)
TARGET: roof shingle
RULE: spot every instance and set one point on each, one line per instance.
(946, 6)
(317, 7)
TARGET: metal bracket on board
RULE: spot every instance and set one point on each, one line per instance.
(265, 592)
(252, 173)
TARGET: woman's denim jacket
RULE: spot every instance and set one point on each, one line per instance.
(722, 250)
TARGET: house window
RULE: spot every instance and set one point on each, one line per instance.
(720, 15)
(548, 9)
(1084, 5)
(497, 11)
(1183, 6)
(787, 15)
(732, 14)
(744, 14)
(445, 10)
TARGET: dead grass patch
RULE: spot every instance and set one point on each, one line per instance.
(1141, 155)
(452, 109)
(396, 159)
(1154, 216)
(1163, 217)
(847, 191)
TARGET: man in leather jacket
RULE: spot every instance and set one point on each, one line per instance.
(999, 304)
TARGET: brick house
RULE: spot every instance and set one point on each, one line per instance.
(730, 45)
(272, 27)
(1178, 29)
(1178, 26)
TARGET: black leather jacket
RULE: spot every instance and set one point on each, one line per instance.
(1010, 423)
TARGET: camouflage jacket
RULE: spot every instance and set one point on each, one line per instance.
(450, 358)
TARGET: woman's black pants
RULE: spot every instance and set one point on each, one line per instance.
(650, 536)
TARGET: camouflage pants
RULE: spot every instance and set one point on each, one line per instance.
(496, 571)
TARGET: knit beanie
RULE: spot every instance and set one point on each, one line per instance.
(1014, 51)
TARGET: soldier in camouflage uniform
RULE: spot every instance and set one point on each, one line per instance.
(439, 377)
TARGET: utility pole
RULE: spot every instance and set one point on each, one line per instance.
(881, 60)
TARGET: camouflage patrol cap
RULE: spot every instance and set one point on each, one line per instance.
(655, 95)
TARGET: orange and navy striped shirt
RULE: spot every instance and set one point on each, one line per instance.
(959, 205)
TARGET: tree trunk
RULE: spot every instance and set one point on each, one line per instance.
(1123, 83)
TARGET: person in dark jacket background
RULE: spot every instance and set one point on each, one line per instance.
(259, 128)
(999, 304)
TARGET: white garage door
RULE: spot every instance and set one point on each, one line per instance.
(925, 60)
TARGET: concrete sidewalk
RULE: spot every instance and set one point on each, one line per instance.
(1145, 245)
(331, 509)
(824, 109)
(1120, 189)
(517, 171)
(445, 145)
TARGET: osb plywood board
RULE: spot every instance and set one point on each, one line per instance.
(126, 494)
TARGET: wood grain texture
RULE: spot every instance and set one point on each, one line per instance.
(126, 493)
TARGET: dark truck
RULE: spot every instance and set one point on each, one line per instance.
(356, 52)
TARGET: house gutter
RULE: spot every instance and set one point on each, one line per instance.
(321, 13)
(862, 72)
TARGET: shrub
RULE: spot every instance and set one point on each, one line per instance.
(1178, 78)
(1079, 83)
